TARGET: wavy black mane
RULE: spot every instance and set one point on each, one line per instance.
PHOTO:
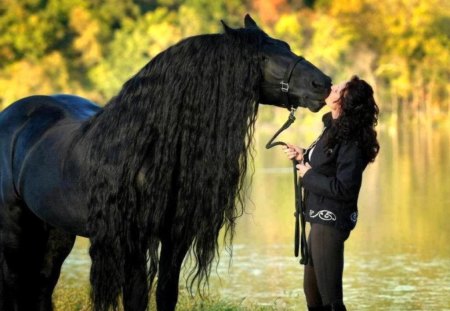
(167, 158)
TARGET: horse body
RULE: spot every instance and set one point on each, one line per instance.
(156, 173)
(40, 130)
(38, 220)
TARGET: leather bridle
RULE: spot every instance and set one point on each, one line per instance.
(284, 85)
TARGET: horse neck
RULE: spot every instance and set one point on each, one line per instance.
(175, 96)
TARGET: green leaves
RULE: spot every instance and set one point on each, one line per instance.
(399, 46)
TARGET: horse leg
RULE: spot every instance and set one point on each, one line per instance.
(58, 247)
(10, 232)
(31, 257)
(15, 260)
(135, 290)
(171, 258)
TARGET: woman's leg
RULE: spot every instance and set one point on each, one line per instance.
(312, 294)
(327, 252)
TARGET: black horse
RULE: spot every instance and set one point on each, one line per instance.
(153, 175)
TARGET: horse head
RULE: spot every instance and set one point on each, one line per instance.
(289, 80)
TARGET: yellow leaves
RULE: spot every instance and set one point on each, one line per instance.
(320, 37)
(99, 44)
(269, 10)
(160, 31)
(330, 38)
(80, 19)
(340, 7)
(289, 29)
(189, 21)
(133, 46)
(26, 77)
(87, 29)
(29, 35)
(288, 25)
(436, 50)
(410, 52)
(396, 70)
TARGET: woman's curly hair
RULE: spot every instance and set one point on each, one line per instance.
(358, 118)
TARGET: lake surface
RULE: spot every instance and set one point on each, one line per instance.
(397, 258)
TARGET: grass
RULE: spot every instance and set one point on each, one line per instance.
(77, 299)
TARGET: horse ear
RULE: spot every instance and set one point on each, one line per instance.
(226, 28)
(249, 22)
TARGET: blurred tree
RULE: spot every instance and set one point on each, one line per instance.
(133, 46)
(209, 13)
(85, 44)
(402, 50)
(32, 28)
(112, 14)
(402, 47)
(27, 77)
(137, 41)
(270, 10)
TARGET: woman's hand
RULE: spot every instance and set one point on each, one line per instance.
(303, 168)
(294, 152)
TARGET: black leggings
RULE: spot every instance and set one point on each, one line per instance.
(323, 273)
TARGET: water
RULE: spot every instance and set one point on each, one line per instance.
(397, 258)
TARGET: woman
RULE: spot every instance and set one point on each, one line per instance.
(331, 170)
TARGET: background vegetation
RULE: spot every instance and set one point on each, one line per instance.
(91, 47)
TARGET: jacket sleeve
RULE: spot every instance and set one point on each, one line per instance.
(347, 182)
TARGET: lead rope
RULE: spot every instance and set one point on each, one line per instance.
(299, 202)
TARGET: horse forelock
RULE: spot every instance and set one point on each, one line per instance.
(184, 124)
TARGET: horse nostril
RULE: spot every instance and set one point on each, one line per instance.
(315, 84)
(322, 84)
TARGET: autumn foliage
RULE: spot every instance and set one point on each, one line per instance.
(402, 47)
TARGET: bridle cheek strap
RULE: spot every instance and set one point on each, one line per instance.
(285, 84)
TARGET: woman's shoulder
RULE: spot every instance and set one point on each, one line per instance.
(351, 150)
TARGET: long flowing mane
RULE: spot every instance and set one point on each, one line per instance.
(167, 158)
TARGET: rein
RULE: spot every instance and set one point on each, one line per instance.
(299, 202)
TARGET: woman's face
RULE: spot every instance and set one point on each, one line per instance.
(332, 100)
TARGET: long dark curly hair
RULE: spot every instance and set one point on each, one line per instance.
(357, 119)
(167, 158)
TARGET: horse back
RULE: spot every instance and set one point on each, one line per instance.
(35, 133)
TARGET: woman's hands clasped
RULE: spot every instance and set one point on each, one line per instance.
(302, 168)
(294, 152)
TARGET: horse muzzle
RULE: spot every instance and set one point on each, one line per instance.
(316, 107)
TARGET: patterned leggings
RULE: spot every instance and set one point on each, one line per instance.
(323, 273)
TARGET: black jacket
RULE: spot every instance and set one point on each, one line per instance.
(332, 184)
